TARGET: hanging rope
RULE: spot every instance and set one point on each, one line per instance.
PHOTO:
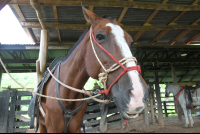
(91, 97)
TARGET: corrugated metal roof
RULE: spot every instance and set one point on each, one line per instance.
(164, 17)
(170, 35)
(133, 17)
(136, 17)
(70, 15)
(70, 35)
(189, 35)
(188, 18)
(147, 36)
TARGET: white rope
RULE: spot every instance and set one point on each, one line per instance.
(72, 88)
(95, 51)
(91, 97)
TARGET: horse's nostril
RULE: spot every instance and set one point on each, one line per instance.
(138, 109)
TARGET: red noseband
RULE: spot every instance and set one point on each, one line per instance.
(125, 68)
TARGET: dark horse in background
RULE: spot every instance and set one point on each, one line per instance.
(129, 92)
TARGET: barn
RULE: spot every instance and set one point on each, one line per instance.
(166, 35)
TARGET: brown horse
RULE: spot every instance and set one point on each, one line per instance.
(130, 91)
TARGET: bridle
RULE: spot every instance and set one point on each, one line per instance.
(103, 76)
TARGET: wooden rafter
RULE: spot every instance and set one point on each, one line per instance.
(183, 76)
(123, 13)
(183, 33)
(162, 33)
(22, 19)
(139, 33)
(36, 5)
(126, 28)
(3, 3)
(189, 41)
(194, 76)
(100, 3)
(56, 20)
(163, 76)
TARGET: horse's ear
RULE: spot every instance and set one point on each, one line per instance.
(90, 17)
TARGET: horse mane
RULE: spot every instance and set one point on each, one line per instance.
(108, 17)
(76, 44)
(82, 36)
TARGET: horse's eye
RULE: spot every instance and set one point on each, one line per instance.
(100, 37)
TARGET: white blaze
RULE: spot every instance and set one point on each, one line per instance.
(137, 92)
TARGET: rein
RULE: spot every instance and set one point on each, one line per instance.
(105, 74)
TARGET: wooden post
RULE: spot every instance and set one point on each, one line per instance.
(165, 108)
(151, 98)
(41, 62)
(1, 73)
(177, 105)
(12, 111)
(145, 111)
(3, 3)
(4, 105)
(159, 104)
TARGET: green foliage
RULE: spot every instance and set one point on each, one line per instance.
(26, 79)
(90, 84)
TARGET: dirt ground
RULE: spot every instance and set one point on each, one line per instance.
(172, 125)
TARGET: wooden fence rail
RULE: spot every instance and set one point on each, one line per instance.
(11, 119)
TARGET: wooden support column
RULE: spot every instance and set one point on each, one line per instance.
(159, 104)
(177, 105)
(152, 103)
(1, 73)
(41, 62)
(145, 111)
(3, 3)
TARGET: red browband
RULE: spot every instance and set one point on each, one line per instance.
(125, 68)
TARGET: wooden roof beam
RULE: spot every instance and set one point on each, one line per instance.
(36, 5)
(194, 76)
(183, 33)
(162, 33)
(3, 3)
(126, 28)
(56, 20)
(99, 3)
(123, 14)
(139, 33)
(22, 19)
(189, 41)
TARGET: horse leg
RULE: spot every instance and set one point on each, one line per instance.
(190, 116)
(186, 116)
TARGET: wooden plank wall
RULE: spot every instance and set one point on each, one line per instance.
(114, 121)
(12, 119)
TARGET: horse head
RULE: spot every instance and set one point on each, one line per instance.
(167, 91)
(130, 91)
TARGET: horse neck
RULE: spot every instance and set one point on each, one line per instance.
(74, 69)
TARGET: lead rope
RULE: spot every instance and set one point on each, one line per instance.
(55, 98)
